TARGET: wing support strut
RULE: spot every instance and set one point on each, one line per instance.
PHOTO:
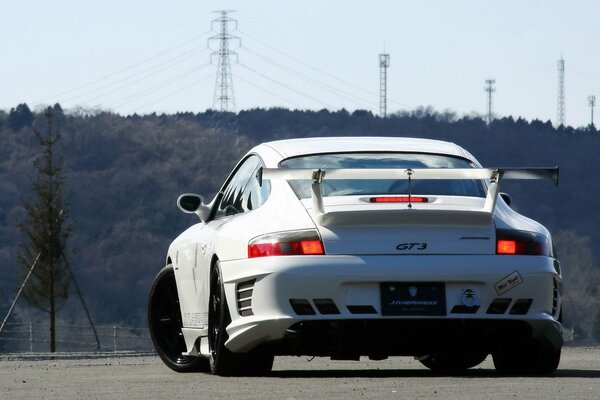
(317, 191)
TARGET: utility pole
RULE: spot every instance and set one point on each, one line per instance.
(224, 99)
(489, 88)
(560, 106)
(384, 63)
(592, 103)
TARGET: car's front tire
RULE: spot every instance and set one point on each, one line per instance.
(223, 361)
(165, 323)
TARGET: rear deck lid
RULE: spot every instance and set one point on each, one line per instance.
(445, 225)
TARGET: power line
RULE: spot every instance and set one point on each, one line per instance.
(151, 71)
(308, 65)
(158, 86)
(128, 68)
(314, 81)
(183, 89)
(285, 86)
(249, 82)
(319, 70)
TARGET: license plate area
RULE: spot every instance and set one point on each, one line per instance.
(413, 298)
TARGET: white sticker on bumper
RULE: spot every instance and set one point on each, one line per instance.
(508, 283)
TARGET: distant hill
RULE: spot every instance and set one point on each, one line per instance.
(124, 174)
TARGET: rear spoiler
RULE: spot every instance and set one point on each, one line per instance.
(494, 175)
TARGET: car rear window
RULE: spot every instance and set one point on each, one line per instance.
(350, 187)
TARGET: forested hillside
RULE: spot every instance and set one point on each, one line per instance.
(124, 174)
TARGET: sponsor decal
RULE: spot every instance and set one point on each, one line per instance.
(508, 283)
(195, 320)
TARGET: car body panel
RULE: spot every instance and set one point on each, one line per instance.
(319, 277)
(296, 147)
(448, 240)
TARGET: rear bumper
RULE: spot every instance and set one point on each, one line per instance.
(380, 338)
(528, 310)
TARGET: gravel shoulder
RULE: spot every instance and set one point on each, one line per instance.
(131, 376)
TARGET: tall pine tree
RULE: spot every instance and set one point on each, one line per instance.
(46, 229)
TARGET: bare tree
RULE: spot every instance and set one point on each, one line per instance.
(46, 229)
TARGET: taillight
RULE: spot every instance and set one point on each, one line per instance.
(399, 199)
(506, 247)
(522, 243)
(286, 244)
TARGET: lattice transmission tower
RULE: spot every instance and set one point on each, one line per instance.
(384, 63)
(489, 88)
(224, 99)
(560, 106)
(592, 103)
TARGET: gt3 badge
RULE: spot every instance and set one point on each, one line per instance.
(508, 283)
(411, 246)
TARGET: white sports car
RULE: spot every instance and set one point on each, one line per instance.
(360, 246)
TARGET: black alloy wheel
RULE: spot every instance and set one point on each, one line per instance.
(165, 323)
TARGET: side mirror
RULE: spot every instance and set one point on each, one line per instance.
(191, 203)
(506, 197)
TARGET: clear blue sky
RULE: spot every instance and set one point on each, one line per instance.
(149, 55)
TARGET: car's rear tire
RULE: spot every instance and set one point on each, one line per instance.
(165, 323)
(222, 361)
(452, 362)
(532, 359)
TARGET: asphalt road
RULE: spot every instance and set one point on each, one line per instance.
(145, 377)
